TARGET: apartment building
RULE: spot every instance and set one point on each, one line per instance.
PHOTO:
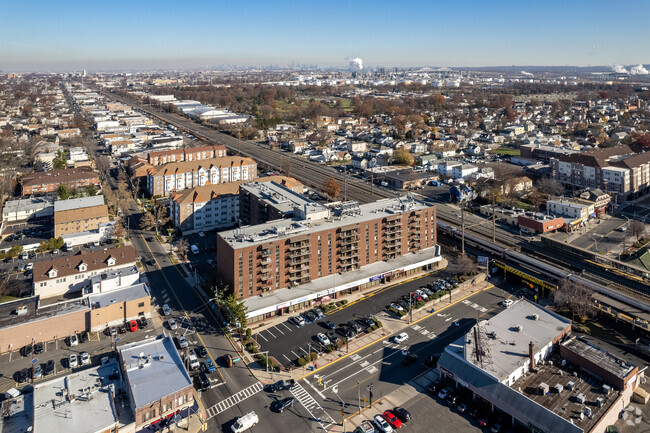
(215, 206)
(71, 274)
(162, 157)
(283, 265)
(169, 178)
(272, 198)
(49, 181)
(79, 215)
(623, 169)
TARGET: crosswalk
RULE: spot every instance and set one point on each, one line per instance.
(234, 399)
(474, 305)
(423, 331)
(315, 410)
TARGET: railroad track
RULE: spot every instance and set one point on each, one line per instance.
(311, 174)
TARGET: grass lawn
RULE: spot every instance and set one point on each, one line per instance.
(507, 151)
(4, 299)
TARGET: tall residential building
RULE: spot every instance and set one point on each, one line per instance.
(161, 157)
(281, 265)
(623, 169)
(169, 178)
(79, 215)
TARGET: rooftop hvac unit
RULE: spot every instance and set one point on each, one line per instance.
(606, 389)
(570, 386)
(581, 398)
(600, 401)
(519, 328)
(535, 316)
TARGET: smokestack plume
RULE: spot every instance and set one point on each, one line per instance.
(355, 63)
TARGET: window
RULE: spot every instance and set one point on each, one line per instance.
(140, 304)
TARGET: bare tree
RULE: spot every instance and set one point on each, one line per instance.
(637, 228)
(550, 186)
(182, 247)
(147, 221)
(465, 264)
(577, 298)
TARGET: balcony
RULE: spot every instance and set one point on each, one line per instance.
(298, 253)
(345, 250)
(299, 279)
(349, 234)
(297, 246)
(294, 269)
(265, 252)
(264, 278)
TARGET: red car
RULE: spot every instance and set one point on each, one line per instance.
(483, 421)
(133, 326)
(392, 419)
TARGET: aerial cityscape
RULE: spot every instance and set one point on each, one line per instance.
(345, 217)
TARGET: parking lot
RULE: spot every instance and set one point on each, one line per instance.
(287, 342)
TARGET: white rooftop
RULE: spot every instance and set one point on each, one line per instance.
(78, 203)
(79, 402)
(153, 369)
(507, 337)
(282, 229)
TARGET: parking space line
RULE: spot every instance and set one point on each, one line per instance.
(285, 325)
(269, 331)
(263, 337)
(278, 329)
(295, 354)
(285, 357)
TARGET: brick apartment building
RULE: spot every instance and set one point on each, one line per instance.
(169, 178)
(269, 199)
(48, 181)
(622, 169)
(288, 254)
(79, 215)
(162, 157)
(215, 206)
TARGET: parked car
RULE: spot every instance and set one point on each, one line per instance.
(322, 338)
(354, 325)
(462, 407)
(74, 341)
(280, 405)
(27, 350)
(172, 324)
(333, 337)
(227, 360)
(201, 351)
(166, 310)
(442, 395)
(472, 411)
(143, 322)
(308, 318)
(366, 322)
(298, 320)
(317, 312)
(410, 359)
(193, 360)
(382, 425)
(182, 342)
(202, 382)
(507, 302)
(209, 366)
(392, 419)
(400, 338)
(403, 414)
(73, 361)
(346, 331)
(121, 328)
(85, 358)
(396, 307)
(327, 324)
(37, 372)
(49, 368)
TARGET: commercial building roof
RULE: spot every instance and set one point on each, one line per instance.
(27, 204)
(80, 402)
(137, 291)
(600, 357)
(283, 229)
(153, 369)
(280, 197)
(78, 203)
(86, 213)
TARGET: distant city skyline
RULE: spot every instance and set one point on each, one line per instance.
(119, 35)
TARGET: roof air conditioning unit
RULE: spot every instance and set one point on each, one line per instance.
(519, 328)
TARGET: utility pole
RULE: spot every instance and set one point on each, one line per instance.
(372, 183)
(462, 225)
(370, 394)
(345, 186)
(494, 221)
(359, 394)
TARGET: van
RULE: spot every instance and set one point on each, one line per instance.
(194, 361)
(195, 249)
(245, 422)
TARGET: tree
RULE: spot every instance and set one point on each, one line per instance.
(182, 247)
(331, 187)
(118, 230)
(103, 164)
(236, 309)
(63, 192)
(91, 190)
(575, 297)
(402, 156)
(465, 264)
(60, 161)
(147, 221)
(637, 228)
(550, 186)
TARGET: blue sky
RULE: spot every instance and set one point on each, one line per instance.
(116, 34)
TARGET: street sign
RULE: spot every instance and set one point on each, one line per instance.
(34, 361)
(236, 359)
(364, 399)
(342, 412)
(117, 339)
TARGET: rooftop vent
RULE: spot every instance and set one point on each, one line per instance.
(519, 328)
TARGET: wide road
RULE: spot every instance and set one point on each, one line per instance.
(311, 174)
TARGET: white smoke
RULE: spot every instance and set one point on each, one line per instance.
(528, 74)
(355, 63)
(619, 69)
(639, 70)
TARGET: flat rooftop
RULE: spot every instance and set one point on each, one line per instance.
(79, 402)
(565, 403)
(279, 196)
(154, 369)
(508, 334)
(600, 357)
(78, 203)
(25, 204)
(137, 291)
(31, 311)
(283, 229)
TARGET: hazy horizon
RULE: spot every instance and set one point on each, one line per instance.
(120, 35)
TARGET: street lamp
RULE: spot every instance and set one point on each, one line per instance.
(370, 394)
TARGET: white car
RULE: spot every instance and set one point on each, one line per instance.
(195, 249)
(73, 361)
(74, 341)
(172, 324)
(29, 267)
(507, 302)
(444, 393)
(166, 310)
(421, 293)
(201, 234)
(382, 424)
(401, 338)
(323, 339)
(397, 307)
(182, 342)
(85, 358)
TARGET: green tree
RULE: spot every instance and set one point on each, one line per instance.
(91, 190)
(63, 192)
(403, 157)
(60, 160)
(237, 309)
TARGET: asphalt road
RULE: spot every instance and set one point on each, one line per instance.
(287, 342)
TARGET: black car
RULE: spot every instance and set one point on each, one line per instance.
(452, 399)
(403, 304)
(434, 388)
(472, 411)
(410, 359)
(38, 348)
(202, 382)
(333, 337)
(354, 325)
(280, 405)
(309, 315)
(327, 324)
(48, 368)
(83, 337)
(27, 350)
(143, 322)
(403, 414)
(366, 321)
(346, 331)
(432, 360)
(23, 375)
(201, 351)
(121, 329)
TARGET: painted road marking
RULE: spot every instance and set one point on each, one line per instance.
(234, 399)
(269, 331)
(313, 408)
(285, 325)
(278, 329)
(263, 337)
